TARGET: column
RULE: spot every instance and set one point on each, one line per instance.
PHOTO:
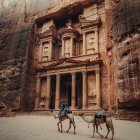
(96, 40)
(84, 74)
(57, 92)
(40, 52)
(50, 50)
(84, 43)
(98, 88)
(73, 103)
(47, 101)
(63, 43)
(37, 92)
(71, 46)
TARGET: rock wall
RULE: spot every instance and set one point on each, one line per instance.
(125, 55)
(16, 22)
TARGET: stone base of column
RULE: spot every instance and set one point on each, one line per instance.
(72, 108)
(36, 103)
(83, 108)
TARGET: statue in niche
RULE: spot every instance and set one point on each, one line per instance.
(67, 46)
(93, 93)
(45, 50)
(69, 24)
(91, 42)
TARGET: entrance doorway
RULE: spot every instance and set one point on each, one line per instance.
(69, 96)
(65, 89)
(52, 92)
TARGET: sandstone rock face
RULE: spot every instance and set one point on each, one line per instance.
(125, 61)
(16, 22)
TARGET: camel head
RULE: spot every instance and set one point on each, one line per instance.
(81, 114)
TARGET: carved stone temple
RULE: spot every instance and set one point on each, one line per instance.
(84, 53)
(69, 63)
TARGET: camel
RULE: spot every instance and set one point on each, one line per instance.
(69, 116)
(96, 123)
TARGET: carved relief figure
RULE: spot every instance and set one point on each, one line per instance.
(69, 24)
(45, 50)
(91, 42)
(67, 47)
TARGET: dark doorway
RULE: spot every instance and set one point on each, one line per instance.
(52, 92)
(79, 90)
(69, 96)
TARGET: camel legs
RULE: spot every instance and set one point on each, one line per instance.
(108, 130)
(112, 129)
(109, 126)
(73, 123)
(97, 131)
(69, 126)
(61, 127)
(93, 130)
(58, 126)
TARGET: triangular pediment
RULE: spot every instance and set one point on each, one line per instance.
(66, 62)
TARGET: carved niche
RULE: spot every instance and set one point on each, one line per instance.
(45, 51)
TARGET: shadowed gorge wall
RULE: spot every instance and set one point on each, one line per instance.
(16, 22)
(125, 60)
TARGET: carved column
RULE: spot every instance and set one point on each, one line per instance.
(57, 92)
(73, 90)
(96, 40)
(37, 92)
(84, 89)
(71, 46)
(47, 101)
(50, 50)
(40, 51)
(84, 43)
(98, 88)
(63, 47)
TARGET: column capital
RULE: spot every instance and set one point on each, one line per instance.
(97, 71)
(73, 73)
(58, 75)
(63, 38)
(84, 72)
(96, 29)
(38, 76)
(84, 33)
(48, 76)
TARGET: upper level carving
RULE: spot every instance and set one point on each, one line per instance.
(69, 37)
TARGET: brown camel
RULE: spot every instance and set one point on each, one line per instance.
(69, 116)
(96, 123)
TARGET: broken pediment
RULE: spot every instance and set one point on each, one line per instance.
(89, 23)
(50, 32)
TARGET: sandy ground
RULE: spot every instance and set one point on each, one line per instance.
(45, 128)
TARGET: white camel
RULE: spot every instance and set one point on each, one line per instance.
(69, 116)
(96, 123)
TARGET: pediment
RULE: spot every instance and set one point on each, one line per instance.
(89, 23)
(47, 33)
(66, 62)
